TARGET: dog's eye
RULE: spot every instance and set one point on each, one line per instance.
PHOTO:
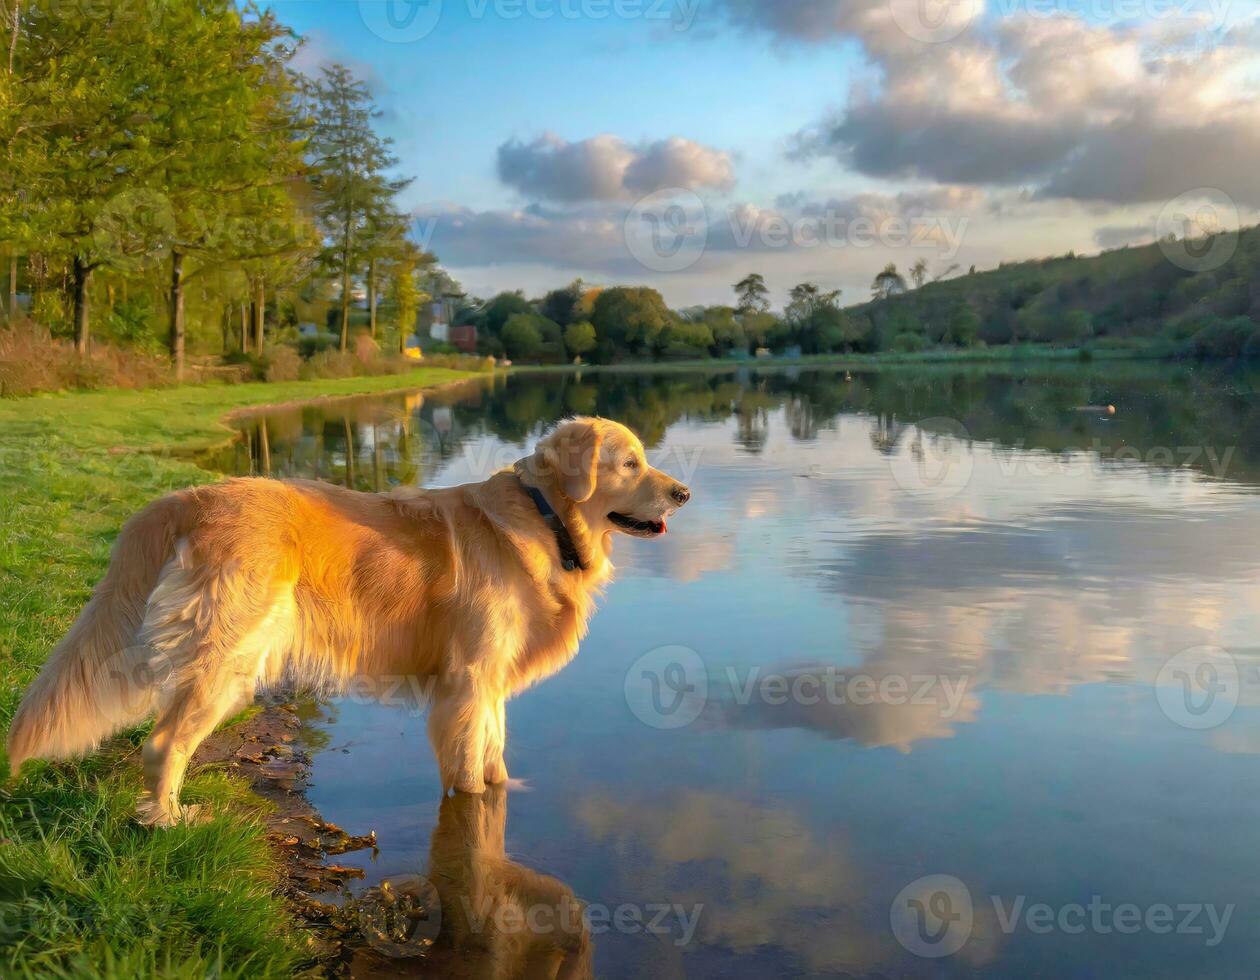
(632, 463)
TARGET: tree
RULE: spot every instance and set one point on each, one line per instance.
(15, 27)
(495, 314)
(231, 149)
(579, 338)
(406, 295)
(760, 328)
(888, 283)
(561, 305)
(964, 326)
(810, 309)
(81, 143)
(630, 319)
(1078, 326)
(727, 330)
(146, 131)
(385, 235)
(686, 339)
(349, 162)
(522, 335)
(751, 294)
(918, 272)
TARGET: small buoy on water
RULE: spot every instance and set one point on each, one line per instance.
(1098, 409)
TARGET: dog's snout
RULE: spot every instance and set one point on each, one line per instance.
(680, 493)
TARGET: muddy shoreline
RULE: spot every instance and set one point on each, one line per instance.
(265, 750)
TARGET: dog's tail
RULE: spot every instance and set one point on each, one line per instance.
(96, 680)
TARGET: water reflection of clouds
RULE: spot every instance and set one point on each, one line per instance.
(1042, 573)
(926, 706)
(764, 877)
(769, 883)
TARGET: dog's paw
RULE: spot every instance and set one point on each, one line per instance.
(151, 813)
(194, 813)
(496, 773)
(470, 785)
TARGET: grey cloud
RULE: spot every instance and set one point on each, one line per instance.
(586, 238)
(592, 235)
(1117, 236)
(607, 168)
(1116, 114)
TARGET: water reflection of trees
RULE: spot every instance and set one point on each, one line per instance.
(375, 442)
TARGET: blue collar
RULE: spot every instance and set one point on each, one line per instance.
(569, 556)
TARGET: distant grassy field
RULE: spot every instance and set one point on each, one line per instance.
(84, 891)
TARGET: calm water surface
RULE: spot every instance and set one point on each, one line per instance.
(927, 650)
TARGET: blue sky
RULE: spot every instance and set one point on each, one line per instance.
(472, 83)
(1075, 126)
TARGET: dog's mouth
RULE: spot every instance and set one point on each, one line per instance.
(640, 529)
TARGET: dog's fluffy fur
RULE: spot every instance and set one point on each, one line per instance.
(214, 591)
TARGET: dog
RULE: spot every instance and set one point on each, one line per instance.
(479, 590)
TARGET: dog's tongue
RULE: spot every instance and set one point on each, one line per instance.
(663, 528)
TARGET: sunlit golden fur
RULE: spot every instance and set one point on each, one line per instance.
(213, 591)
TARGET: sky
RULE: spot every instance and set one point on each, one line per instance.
(682, 144)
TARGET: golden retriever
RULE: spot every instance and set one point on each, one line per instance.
(213, 591)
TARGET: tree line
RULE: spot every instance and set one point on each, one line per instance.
(1132, 298)
(163, 159)
(603, 325)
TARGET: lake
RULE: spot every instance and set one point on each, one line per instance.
(942, 672)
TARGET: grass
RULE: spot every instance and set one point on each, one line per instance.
(84, 891)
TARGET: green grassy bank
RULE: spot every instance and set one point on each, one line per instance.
(84, 891)
(1033, 354)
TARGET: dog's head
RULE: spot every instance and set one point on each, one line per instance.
(599, 466)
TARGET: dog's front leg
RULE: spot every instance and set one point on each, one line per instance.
(458, 729)
(496, 740)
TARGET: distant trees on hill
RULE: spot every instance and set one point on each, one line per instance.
(1132, 298)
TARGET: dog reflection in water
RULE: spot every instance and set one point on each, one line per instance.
(485, 916)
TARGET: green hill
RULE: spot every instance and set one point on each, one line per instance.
(1130, 297)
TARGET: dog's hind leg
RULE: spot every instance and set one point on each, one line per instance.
(216, 644)
(180, 728)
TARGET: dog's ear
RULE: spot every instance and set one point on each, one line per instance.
(571, 452)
